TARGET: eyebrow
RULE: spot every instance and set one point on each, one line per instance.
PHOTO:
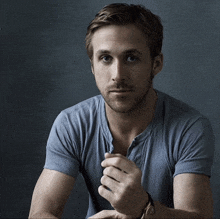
(129, 51)
(99, 52)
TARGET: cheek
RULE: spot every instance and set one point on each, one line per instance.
(142, 82)
(101, 75)
(101, 81)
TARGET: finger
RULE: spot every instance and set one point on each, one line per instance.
(108, 155)
(110, 214)
(110, 183)
(105, 214)
(105, 193)
(121, 163)
(114, 173)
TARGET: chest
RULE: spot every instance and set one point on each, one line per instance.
(122, 143)
(121, 147)
(148, 155)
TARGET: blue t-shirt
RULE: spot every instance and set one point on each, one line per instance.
(178, 140)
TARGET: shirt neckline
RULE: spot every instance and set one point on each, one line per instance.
(142, 136)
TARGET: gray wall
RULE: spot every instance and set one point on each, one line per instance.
(44, 69)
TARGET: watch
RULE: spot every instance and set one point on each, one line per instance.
(149, 209)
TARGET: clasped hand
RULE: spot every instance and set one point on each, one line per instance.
(121, 186)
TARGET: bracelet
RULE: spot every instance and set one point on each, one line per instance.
(149, 209)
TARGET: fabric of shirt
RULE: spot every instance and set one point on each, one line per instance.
(178, 140)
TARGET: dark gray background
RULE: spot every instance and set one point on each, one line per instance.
(44, 69)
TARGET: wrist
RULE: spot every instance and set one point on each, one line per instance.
(143, 203)
(149, 207)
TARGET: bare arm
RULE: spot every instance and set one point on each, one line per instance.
(192, 195)
(192, 198)
(50, 194)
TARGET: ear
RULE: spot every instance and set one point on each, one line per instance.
(157, 64)
(92, 68)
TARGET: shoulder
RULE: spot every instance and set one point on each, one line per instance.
(88, 105)
(184, 126)
(179, 118)
(80, 114)
(176, 106)
(189, 136)
(85, 108)
(176, 112)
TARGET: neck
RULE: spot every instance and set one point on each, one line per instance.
(132, 123)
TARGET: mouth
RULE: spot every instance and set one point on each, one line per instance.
(120, 91)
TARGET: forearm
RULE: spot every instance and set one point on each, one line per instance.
(45, 210)
(162, 211)
(42, 215)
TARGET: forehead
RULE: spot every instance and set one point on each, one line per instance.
(114, 38)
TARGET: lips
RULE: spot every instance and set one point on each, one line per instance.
(120, 91)
(120, 88)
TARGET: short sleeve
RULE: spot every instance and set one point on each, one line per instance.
(61, 151)
(196, 149)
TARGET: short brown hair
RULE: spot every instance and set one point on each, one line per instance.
(123, 14)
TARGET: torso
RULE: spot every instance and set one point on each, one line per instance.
(120, 148)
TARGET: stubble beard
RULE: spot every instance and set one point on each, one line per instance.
(132, 106)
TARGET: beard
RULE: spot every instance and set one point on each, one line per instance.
(133, 102)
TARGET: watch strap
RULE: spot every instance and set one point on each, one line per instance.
(149, 209)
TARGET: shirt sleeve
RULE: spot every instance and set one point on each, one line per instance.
(61, 151)
(196, 149)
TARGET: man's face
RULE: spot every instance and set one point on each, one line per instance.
(122, 66)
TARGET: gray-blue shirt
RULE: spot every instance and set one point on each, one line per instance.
(178, 140)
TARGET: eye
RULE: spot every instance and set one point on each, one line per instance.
(132, 58)
(106, 58)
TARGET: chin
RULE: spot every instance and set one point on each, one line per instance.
(122, 107)
(126, 104)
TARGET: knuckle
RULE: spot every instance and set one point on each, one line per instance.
(105, 171)
(129, 186)
(103, 179)
(111, 169)
(118, 155)
(137, 172)
(108, 170)
(100, 190)
(116, 201)
(118, 161)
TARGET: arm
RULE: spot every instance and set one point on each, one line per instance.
(192, 198)
(50, 194)
(192, 194)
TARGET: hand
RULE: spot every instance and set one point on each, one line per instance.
(121, 185)
(110, 214)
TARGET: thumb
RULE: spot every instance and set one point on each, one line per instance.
(108, 155)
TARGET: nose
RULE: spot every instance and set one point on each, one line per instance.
(119, 72)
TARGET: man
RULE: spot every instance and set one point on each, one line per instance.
(142, 153)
